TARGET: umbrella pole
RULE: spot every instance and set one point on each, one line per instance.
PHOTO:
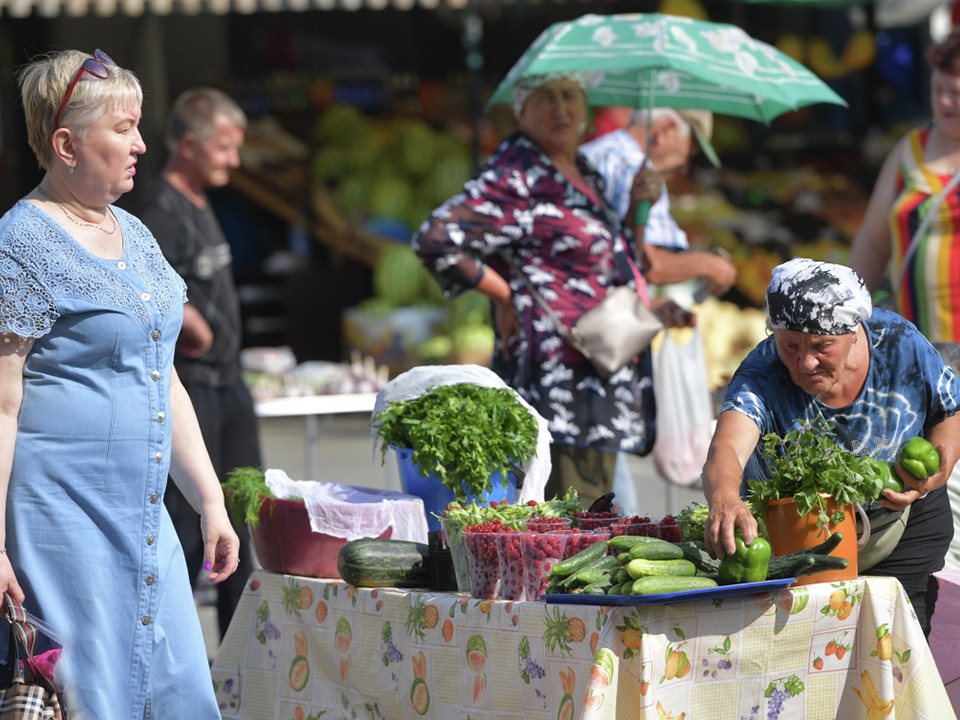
(642, 211)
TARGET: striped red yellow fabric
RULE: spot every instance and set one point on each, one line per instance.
(929, 286)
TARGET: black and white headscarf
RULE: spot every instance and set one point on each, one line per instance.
(815, 297)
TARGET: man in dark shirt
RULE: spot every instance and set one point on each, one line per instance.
(204, 134)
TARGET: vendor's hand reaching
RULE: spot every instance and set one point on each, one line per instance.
(671, 314)
(726, 516)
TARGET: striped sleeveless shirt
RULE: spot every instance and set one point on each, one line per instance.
(929, 291)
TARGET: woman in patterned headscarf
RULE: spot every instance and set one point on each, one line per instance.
(870, 373)
(537, 208)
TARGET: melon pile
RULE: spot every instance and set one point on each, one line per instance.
(408, 321)
(386, 174)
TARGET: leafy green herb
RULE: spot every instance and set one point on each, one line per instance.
(806, 464)
(463, 433)
(244, 492)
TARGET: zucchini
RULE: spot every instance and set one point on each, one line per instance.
(661, 550)
(678, 568)
(696, 552)
(369, 562)
(584, 557)
(659, 585)
(622, 543)
(805, 562)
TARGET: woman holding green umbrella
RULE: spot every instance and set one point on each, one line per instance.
(535, 218)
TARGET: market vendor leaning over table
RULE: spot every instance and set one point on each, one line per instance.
(831, 355)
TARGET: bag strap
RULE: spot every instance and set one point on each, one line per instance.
(570, 334)
(24, 634)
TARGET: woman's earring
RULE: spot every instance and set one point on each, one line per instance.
(70, 170)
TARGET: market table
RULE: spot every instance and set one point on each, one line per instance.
(302, 649)
(310, 408)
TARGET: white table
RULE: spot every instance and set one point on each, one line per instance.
(311, 408)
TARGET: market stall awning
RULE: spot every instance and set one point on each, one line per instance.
(134, 8)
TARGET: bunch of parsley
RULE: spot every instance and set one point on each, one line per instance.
(806, 464)
(463, 433)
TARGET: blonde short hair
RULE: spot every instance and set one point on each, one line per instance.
(43, 84)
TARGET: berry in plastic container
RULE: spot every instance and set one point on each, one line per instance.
(587, 520)
(548, 524)
(541, 551)
(635, 525)
(510, 553)
(670, 529)
(484, 563)
(578, 541)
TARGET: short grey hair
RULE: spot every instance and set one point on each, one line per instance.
(43, 85)
(196, 111)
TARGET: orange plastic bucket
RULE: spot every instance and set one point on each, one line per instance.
(790, 532)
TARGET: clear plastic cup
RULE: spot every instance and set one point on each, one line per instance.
(635, 525)
(484, 563)
(510, 554)
(453, 534)
(594, 520)
(670, 529)
(541, 525)
(580, 541)
(541, 551)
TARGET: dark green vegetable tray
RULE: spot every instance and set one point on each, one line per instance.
(721, 591)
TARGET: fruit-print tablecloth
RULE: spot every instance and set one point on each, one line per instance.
(305, 649)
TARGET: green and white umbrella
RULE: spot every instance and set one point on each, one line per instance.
(647, 60)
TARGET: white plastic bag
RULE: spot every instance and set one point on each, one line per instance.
(684, 408)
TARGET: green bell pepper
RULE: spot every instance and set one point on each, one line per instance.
(888, 476)
(919, 457)
(748, 564)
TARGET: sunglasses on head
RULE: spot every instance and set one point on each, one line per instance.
(98, 66)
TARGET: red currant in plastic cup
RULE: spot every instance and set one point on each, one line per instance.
(541, 551)
(510, 552)
(484, 563)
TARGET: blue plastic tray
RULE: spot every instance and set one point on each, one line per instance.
(721, 591)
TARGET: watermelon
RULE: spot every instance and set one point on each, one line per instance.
(397, 275)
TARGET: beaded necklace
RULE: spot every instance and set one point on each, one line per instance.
(75, 219)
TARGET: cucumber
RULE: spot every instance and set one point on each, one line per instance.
(593, 589)
(659, 585)
(622, 543)
(591, 573)
(584, 557)
(678, 568)
(661, 550)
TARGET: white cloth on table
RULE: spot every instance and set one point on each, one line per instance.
(350, 512)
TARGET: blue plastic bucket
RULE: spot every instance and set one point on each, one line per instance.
(436, 496)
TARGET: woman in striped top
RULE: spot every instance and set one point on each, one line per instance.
(911, 228)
